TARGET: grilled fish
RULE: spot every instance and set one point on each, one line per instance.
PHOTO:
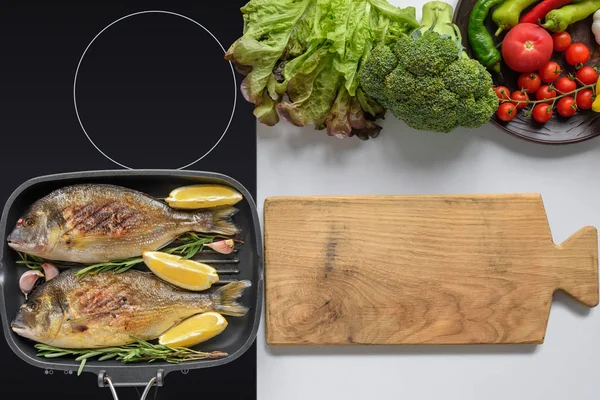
(107, 309)
(100, 223)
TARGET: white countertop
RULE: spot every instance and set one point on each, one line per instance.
(295, 161)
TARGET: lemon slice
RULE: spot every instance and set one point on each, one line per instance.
(203, 196)
(179, 271)
(194, 330)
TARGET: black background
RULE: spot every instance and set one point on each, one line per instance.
(153, 92)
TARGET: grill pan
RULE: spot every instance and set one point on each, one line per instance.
(235, 340)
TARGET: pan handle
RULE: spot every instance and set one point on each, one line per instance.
(105, 380)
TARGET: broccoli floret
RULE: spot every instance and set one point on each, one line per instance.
(475, 112)
(462, 77)
(485, 82)
(437, 122)
(432, 84)
(467, 76)
(399, 85)
(427, 54)
(380, 62)
(432, 55)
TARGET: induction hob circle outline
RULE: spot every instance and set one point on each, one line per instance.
(154, 12)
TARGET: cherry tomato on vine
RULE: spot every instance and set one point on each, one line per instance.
(542, 113)
(587, 75)
(520, 95)
(566, 106)
(565, 85)
(502, 92)
(529, 82)
(577, 53)
(507, 112)
(584, 99)
(550, 72)
(561, 41)
(544, 93)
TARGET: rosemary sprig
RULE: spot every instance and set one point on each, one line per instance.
(135, 352)
(32, 262)
(117, 266)
(192, 243)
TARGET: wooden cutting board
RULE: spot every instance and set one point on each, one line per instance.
(418, 269)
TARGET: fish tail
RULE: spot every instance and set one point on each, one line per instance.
(225, 298)
(222, 222)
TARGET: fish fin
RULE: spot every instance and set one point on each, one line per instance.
(80, 324)
(85, 241)
(222, 223)
(225, 298)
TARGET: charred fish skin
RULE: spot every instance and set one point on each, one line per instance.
(109, 309)
(93, 223)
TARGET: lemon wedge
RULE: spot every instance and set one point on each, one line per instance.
(194, 330)
(179, 271)
(203, 196)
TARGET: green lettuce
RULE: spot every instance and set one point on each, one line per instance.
(301, 60)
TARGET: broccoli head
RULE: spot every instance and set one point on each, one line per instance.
(426, 80)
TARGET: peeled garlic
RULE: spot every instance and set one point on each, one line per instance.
(222, 246)
(28, 280)
(50, 271)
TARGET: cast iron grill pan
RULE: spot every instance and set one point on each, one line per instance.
(235, 340)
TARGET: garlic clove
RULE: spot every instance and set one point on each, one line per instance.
(222, 246)
(28, 280)
(50, 270)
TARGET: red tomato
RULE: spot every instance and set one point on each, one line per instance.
(529, 82)
(584, 99)
(520, 96)
(544, 92)
(502, 92)
(561, 41)
(550, 72)
(565, 85)
(542, 113)
(507, 112)
(587, 75)
(577, 53)
(566, 106)
(527, 47)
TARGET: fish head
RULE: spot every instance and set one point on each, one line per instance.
(35, 233)
(40, 318)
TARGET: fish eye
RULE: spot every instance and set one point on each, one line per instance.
(28, 222)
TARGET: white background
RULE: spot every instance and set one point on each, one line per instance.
(294, 161)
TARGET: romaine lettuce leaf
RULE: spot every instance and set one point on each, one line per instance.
(301, 59)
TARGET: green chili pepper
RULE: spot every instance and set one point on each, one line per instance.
(558, 20)
(480, 39)
(508, 13)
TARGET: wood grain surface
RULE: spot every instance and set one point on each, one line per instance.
(418, 269)
(559, 130)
